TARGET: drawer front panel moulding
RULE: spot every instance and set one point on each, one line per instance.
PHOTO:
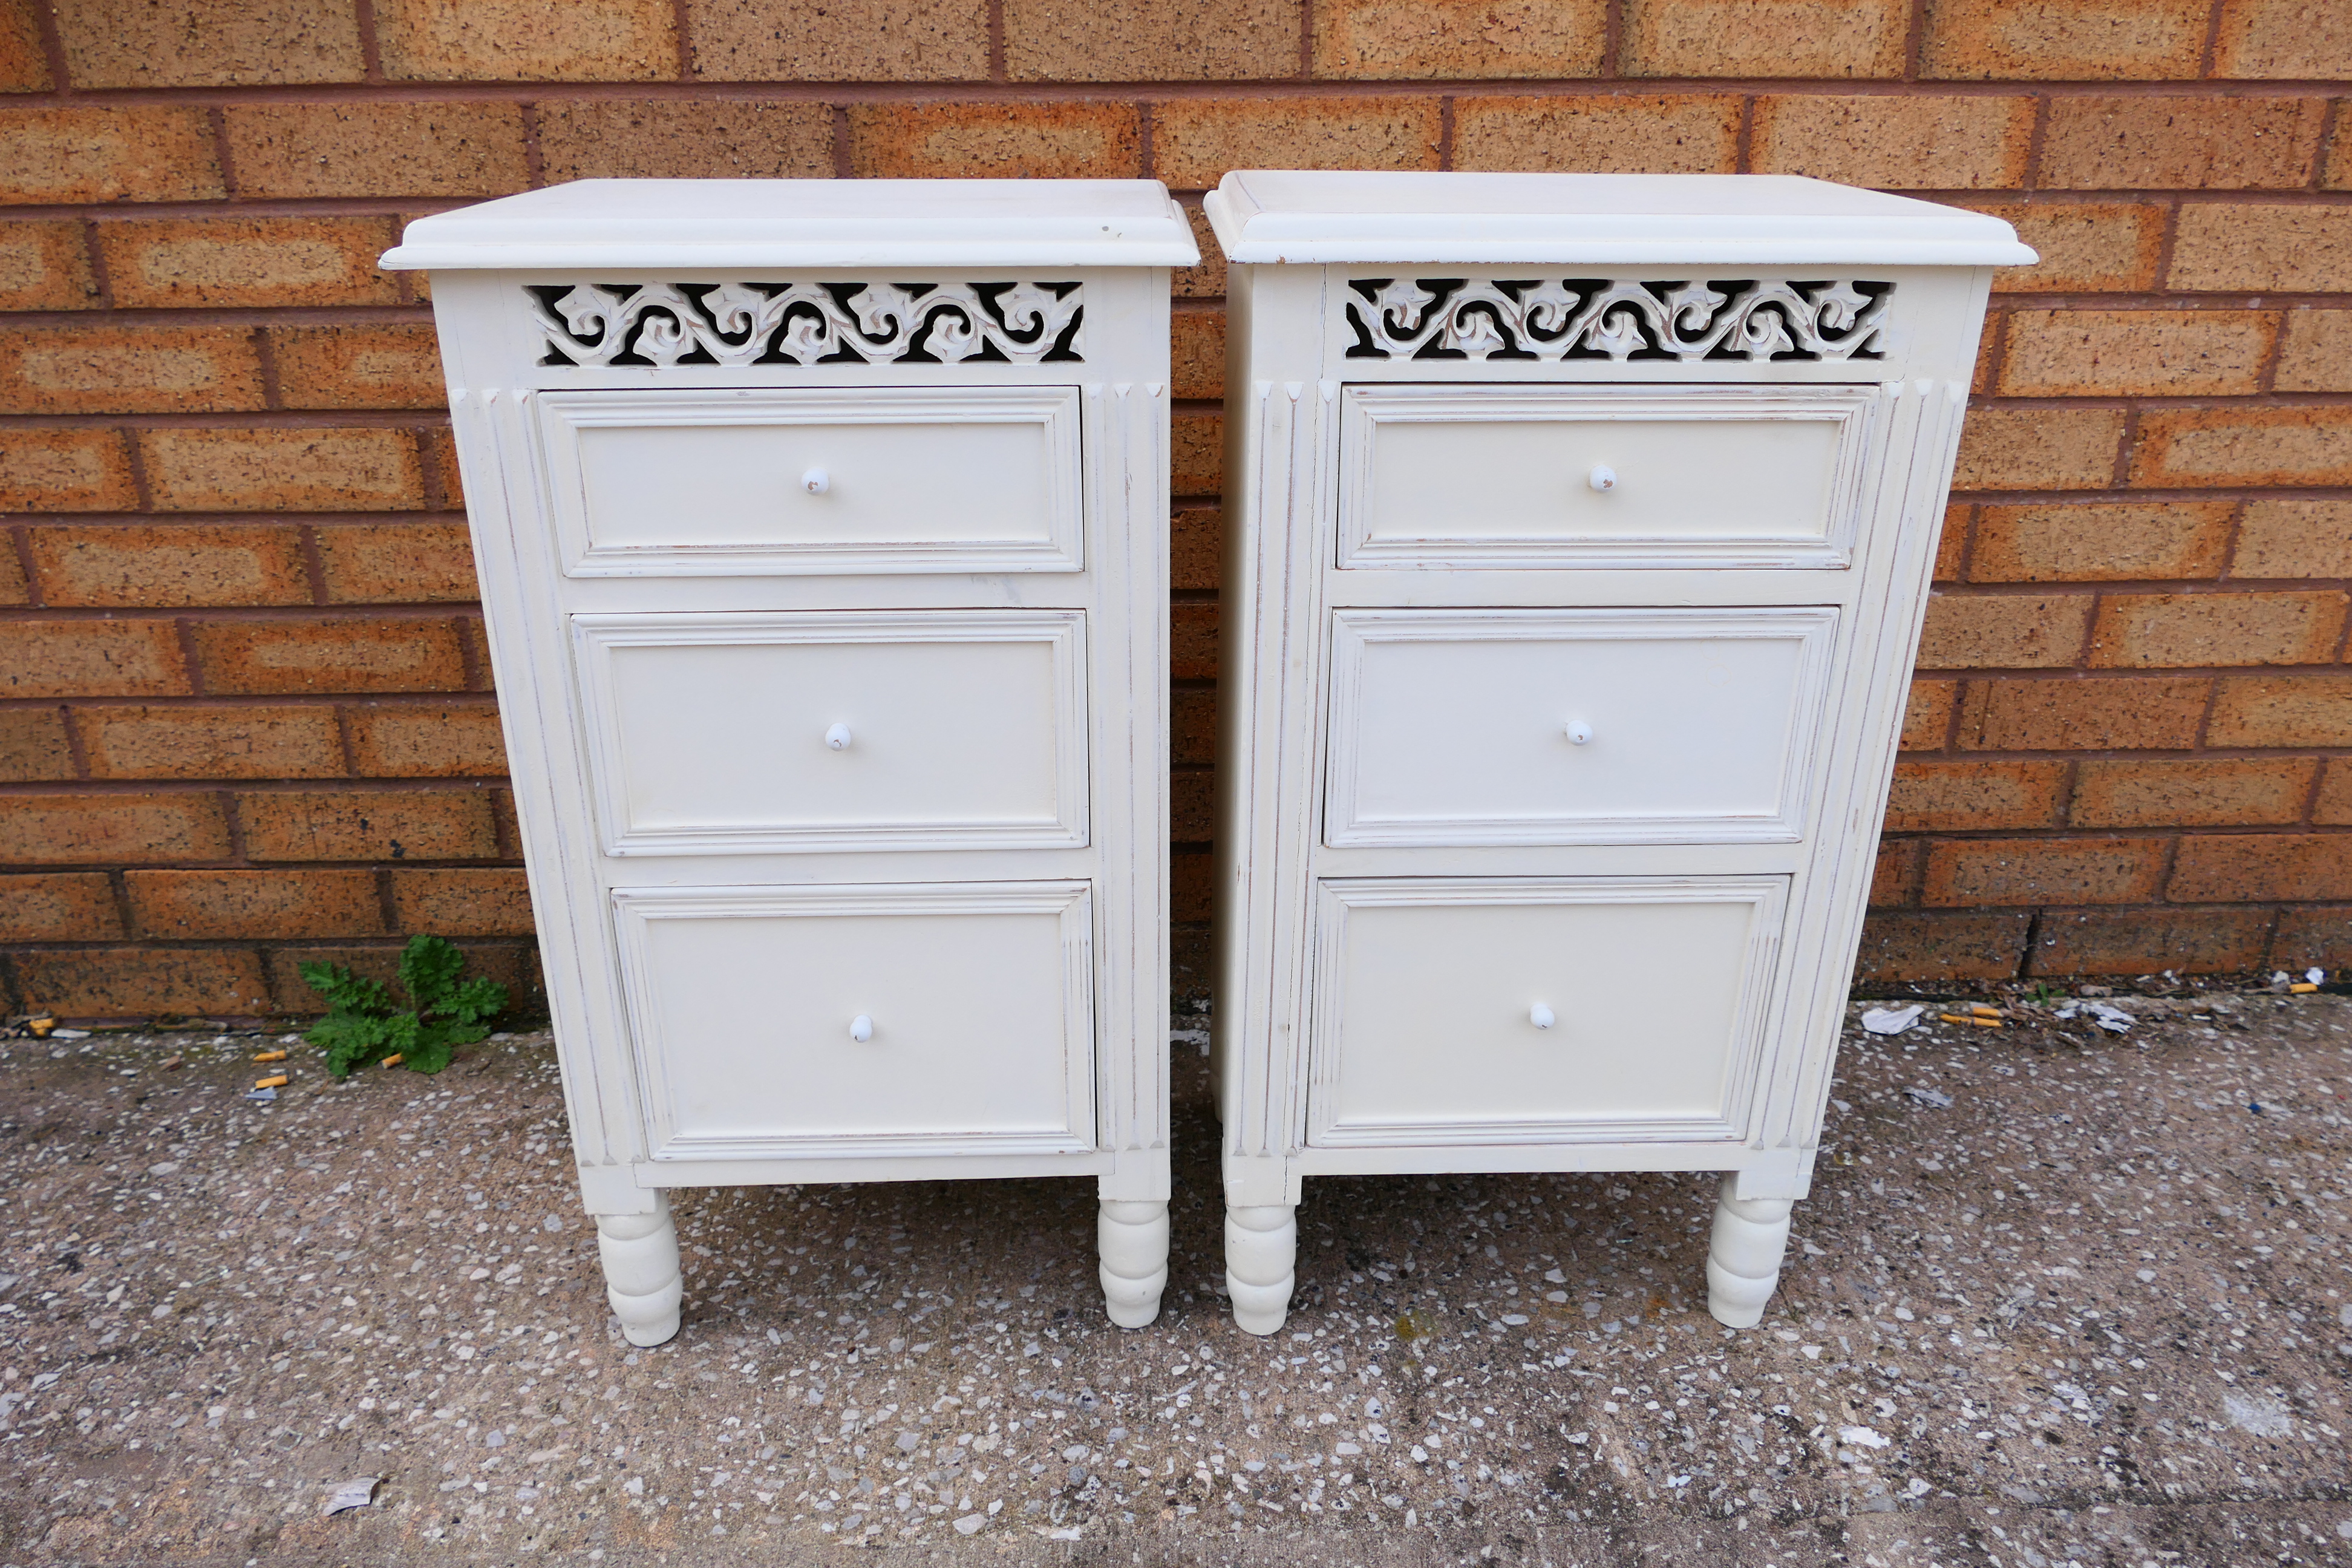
(1556, 318)
(598, 324)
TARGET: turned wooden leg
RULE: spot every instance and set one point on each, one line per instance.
(641, 1274)
(1261, 1257)
(1132, 1239)
(1743, 1257)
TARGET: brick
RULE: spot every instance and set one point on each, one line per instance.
(13, 589)
(1766, 37)
(121, 153)
(2171, 631)
(1924, 142)
(154, 565)
(2282, 711)
(32, 746)
(1408, 40)
(2311, 935)
(1138, 40)
(2332, 807)
(1205, 279)
(2011, 871)
(441, 468)
(637, 139)
(2245, 868)
(354, 469)
(108, 829)
(1197, 449)
(45, 265)
(1928, 714)
(1192, 729)
(811, 40)
(468, 903)
(211, 905)
(1192, 641)
(512, 964)
(2181, 144)
(1193, 880)
(1191, 808)
(503, 40)
(2038, 449)
(2260, 246)
(2088, 541)
(390, 655)
(2149, 942)
(2156, 353)
(368, 825)
(2221, 792)
(1195, 140)
(377, 149)
(2296, 39)
(2283, 536)
(996, 140)
(1197, 348)
(397, 562)
(267, 262)
(1894, 876)
(91, 658)
(1958, 796)
(210, 43)
(2139, 715)
(1979, 945)
(435, 742)
(129, 370)
(1687, 134)
(2192, 447)
(134, 983)
(2318, 354)
(273, 742)
(2009, 631)
(65, 470)
(1195, 540)
(61, 906)
(24, 65)
(358, 367)
(1951, 542)
(2064, 40)
(2086, 247)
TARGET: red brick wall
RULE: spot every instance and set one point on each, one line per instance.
(244, 714)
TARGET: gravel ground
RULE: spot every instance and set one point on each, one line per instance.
(2092, 1310)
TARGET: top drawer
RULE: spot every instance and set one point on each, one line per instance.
(1516, 477)
(786, 483)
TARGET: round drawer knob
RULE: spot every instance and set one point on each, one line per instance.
(838, 737)
(1602, 478)
(1580, 733)
(816, 481)
(1542, 1016)
(861, 1029)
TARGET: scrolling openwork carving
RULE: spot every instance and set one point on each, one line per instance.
(1599, 318)
(600, 324)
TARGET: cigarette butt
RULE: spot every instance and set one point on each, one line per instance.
(1982, 1011)
(1968, 1018)
(270, 1056)
(40, 1026)
(277, 1082)
(2301, 987)
(393, 1061)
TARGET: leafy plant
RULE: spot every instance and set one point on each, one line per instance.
(363, 1025)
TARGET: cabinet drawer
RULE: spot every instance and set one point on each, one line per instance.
(1426, 1028)
(1587, 726)
(785, 482)
(974, 1001)
(1505, 478)
(732, 734)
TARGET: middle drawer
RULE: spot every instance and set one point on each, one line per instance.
(832, 730)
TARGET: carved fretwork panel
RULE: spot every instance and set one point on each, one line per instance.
(1611, 318)
(599, 324)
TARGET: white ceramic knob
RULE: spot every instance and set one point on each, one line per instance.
(838, 737)
(1602, 478)
(816, 481)
(1578, 733)
(1542, 1016)
(861, 1029)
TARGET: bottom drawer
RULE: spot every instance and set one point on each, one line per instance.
(900, 1018)
(1432, 995)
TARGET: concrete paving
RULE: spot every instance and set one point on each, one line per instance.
(2096, 1310)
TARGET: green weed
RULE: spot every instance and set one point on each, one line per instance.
(362, 1024)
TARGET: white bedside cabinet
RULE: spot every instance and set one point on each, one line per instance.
(1578, 530)
(821, 535)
